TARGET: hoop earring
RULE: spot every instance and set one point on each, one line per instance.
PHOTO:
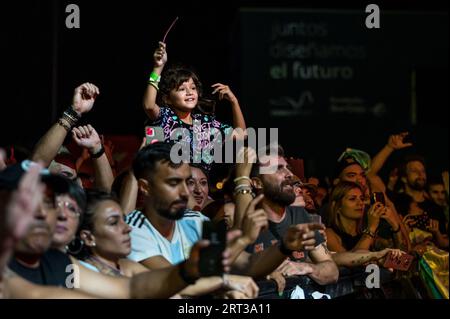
(75, 246)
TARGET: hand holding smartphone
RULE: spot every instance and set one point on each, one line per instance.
(377, 197)
(211, 257)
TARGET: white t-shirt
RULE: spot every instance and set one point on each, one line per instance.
(147, 242)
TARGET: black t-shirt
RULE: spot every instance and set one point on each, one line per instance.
(52, 271)
(294, 215)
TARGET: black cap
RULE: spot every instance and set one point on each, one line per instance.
(10, 177)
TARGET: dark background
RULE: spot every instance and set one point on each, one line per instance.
(43, 61)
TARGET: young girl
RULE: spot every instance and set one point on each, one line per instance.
(179, 92)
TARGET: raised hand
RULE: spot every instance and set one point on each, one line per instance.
(254, 221)
(390, 216)
(87, 137)
(160, 55)
(245, 159)
(224, 92)
(374, 214)
(84, 98)
(395, 141)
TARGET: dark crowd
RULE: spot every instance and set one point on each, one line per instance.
(74, 225)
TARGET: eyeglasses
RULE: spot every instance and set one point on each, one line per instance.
(71, 208)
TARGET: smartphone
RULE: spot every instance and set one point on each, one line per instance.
(211, 257)
(377, 197)
(154, 134)
(402, 262)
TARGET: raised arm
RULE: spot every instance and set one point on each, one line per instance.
(87, 137)
(225, 92)
(160, 59)
(129, 191)
(254, 221)
(48, 146)
(243, 183)
(395, 142)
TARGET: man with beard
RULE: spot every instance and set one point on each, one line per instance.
(164, 232)
(414, 179)
(279, 194)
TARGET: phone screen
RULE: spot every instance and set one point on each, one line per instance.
(211, 256)
(377, 197)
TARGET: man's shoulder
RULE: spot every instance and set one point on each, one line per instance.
(192, 214)
(298, 214)
(136, 219)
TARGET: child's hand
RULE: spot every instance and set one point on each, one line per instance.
(224, 92)
(160, 55)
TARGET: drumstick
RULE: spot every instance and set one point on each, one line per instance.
(168, 30)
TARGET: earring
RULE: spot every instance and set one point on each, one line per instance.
(93, 244)
(75, 246)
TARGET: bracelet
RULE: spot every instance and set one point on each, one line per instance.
(237, 179)
(284, 250)
(243, 192)
(66, 127)
(71, 112)
(369, 233)
(183, 274)
(396, 231)
(242, 189)
(154, 84)
(242, 186)
(99, 153)
(155, 77)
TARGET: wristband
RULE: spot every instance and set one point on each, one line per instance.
(99, 153)
(369, 233)
(237, 179)
(66, 127)
(154, 77)
(154, 84)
